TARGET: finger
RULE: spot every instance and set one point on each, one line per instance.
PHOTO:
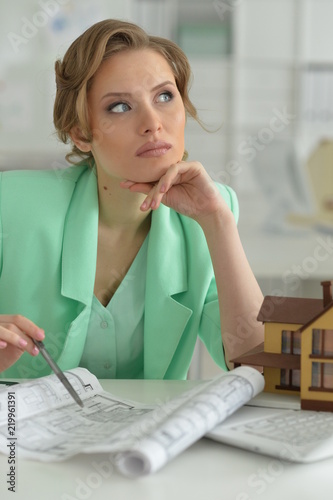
(151, 201)
(18, 330)
(126, 184)
(147, 188)
(11, 335)
(138, 187)
(24, 324)
(169, 179)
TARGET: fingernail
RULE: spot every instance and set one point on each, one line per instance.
(144, 205)
(3, 344)
(23, 343)
(153, 204)
(40, 334)
(35, 351)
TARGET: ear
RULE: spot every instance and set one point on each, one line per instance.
(78, 138)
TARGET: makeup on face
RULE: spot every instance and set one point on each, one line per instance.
(137, 117)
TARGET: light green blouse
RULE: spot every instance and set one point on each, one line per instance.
(114, 344)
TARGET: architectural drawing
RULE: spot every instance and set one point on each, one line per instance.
(132, 432)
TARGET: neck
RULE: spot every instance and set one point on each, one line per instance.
(119, 209)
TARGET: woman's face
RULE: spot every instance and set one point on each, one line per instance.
(137, 117)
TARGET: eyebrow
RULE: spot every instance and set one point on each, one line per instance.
(128, 94)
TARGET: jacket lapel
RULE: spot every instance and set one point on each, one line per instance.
(80, 241)
(165, 317)
(79, 255)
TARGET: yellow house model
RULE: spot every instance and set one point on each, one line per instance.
(297, 354)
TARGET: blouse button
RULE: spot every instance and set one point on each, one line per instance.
(104, 324)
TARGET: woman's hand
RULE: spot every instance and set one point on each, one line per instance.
(186, 187)
(16, 333)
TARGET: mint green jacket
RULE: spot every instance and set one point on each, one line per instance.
(48, 248)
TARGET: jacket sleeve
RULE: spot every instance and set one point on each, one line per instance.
(1, 228)
(210, 327)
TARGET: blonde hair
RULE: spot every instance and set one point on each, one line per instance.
(74, 74)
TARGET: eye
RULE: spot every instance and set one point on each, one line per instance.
(165, 96)
(119, 107)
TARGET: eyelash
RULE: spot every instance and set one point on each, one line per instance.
(111, 107)
(168, 93)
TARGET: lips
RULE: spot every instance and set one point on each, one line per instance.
(153, 149)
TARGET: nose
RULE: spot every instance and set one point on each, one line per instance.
(149, 121)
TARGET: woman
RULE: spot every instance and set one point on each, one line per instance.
(126, 257)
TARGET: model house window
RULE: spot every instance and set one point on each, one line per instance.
(322, 343)
(322, 376)
(290, 379)
(291, 342)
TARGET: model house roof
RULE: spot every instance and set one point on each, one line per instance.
(258, 357)
(289, 310)
(284, 310)
(312, 320)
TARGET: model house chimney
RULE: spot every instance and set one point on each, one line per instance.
(327, 292)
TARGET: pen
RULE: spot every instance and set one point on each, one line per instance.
(61, 376)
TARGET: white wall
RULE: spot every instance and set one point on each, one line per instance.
(277, 48)
(34, 33)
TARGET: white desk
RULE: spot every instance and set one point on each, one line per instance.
(206, 471)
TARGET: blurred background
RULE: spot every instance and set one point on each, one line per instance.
(263, 86)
